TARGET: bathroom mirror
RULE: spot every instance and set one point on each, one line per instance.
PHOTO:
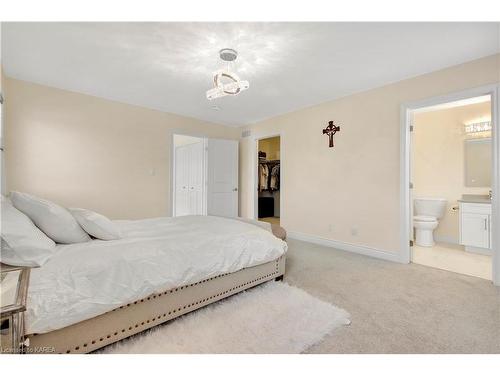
(478, 162)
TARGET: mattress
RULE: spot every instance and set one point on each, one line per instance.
(87, 279)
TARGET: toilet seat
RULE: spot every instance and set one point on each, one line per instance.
(425, 219)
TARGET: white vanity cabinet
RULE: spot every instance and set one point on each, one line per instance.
(475, 227)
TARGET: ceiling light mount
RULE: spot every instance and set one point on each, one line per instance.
(225, 81)
(228, 54)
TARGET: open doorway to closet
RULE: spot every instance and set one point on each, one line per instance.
(269, 181)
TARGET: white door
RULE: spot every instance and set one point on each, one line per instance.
(189, 177)
(181, 181)
(222, 198)
(196, 177)
(474, 230)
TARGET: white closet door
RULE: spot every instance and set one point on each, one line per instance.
(181, 181)
(196, 172)
(222, 197)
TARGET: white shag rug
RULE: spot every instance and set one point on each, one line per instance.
(271, 318)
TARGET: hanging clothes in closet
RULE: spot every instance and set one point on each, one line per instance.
(274, 182)
(269, 185)
(269, 176)
(263, 177)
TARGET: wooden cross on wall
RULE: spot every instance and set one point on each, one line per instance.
(330, 130)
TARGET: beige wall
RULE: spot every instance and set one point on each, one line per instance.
(271, 146)
(355, 186)
(439, 160)
(83, 151)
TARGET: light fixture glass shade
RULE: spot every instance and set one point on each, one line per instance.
(232, 86)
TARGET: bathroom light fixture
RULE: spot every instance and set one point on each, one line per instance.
(232, 85)
(477, 127)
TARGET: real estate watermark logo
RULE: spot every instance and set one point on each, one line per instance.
(29, 350)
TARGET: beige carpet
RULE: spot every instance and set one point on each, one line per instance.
(397, 308)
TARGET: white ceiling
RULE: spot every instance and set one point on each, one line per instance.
(168, 66)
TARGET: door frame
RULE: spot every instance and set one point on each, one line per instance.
(255, 161)
(405, 154)
(172, 170)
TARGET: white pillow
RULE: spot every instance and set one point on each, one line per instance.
(23, 244)
(97, 225)
(55, 221)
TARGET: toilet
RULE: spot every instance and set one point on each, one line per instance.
(427, 212)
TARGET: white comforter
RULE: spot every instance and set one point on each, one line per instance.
(88, 279)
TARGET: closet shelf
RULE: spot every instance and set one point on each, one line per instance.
(269, 161)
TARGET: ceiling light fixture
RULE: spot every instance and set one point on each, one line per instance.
(226, 82)
(478, 127)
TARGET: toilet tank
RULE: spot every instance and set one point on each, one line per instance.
(434, 207)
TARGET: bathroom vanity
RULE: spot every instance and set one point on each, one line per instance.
(475, 223)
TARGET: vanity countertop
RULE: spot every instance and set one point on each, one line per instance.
(471, 198)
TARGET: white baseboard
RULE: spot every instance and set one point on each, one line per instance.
(358, 249)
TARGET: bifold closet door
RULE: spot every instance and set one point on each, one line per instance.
(222, 174)
(196, 178)
(189, 176)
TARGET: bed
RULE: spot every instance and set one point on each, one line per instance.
(92, 294)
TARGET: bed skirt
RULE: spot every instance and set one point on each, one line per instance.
(135, 317)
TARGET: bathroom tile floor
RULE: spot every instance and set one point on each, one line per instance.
(453, 258)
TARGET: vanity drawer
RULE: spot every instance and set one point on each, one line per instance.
(476, 208)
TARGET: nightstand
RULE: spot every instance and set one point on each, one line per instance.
(14, 290)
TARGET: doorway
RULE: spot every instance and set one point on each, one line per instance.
(451, 176)
(450, 183)
(269, 179)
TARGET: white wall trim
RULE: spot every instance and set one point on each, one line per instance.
(345, 246)
(255, 171)
(495, 223)
(405, 145)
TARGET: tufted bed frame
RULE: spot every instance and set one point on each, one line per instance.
(135, 317)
